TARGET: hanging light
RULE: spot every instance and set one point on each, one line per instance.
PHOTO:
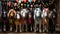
(29, 0)
(17, 0)
(28, 5)
(21, 5)
(20, 1)
(24, 1)
(24, 4)
(34, 1)
(31, 5)
(37, 5)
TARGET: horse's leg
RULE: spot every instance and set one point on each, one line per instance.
(16, 28)
(20, 28)
(35, 27)
(31, 27)
(26, 25)
(4, 27)
(23, 27)
(46, 28)
(43, 26)
(47, 25)
(40, 25)
(10, 27)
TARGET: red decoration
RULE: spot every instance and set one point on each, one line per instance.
(34, 0)
(24, 1)
(17, 0)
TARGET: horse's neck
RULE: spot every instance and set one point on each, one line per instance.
(18, 16)
(37, 13)
(24, 14)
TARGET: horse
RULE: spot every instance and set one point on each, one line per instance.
(52, 21)
(45, 19)
(23, 20)
(17, 20)
(37, 12)
(4, 16)
(11, 15)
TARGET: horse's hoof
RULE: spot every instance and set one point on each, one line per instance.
(15, 31)
(4, 29)
(40, 31)
(34, 31)
(47, 30)
(20, 31)
(43, 31)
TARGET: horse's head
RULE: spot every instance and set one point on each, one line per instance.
(23, 12)
(11, 13)
(45, 12)
(37, 12)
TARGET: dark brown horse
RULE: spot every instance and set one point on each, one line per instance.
(11, 15)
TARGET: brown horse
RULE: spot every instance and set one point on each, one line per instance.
(45, 19)
(17, 20)
(23, 20)
(11, 15)
(11, 12)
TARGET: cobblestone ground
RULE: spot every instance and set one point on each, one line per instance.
(29, 33)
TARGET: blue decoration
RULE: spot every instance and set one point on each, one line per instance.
(29, 0)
